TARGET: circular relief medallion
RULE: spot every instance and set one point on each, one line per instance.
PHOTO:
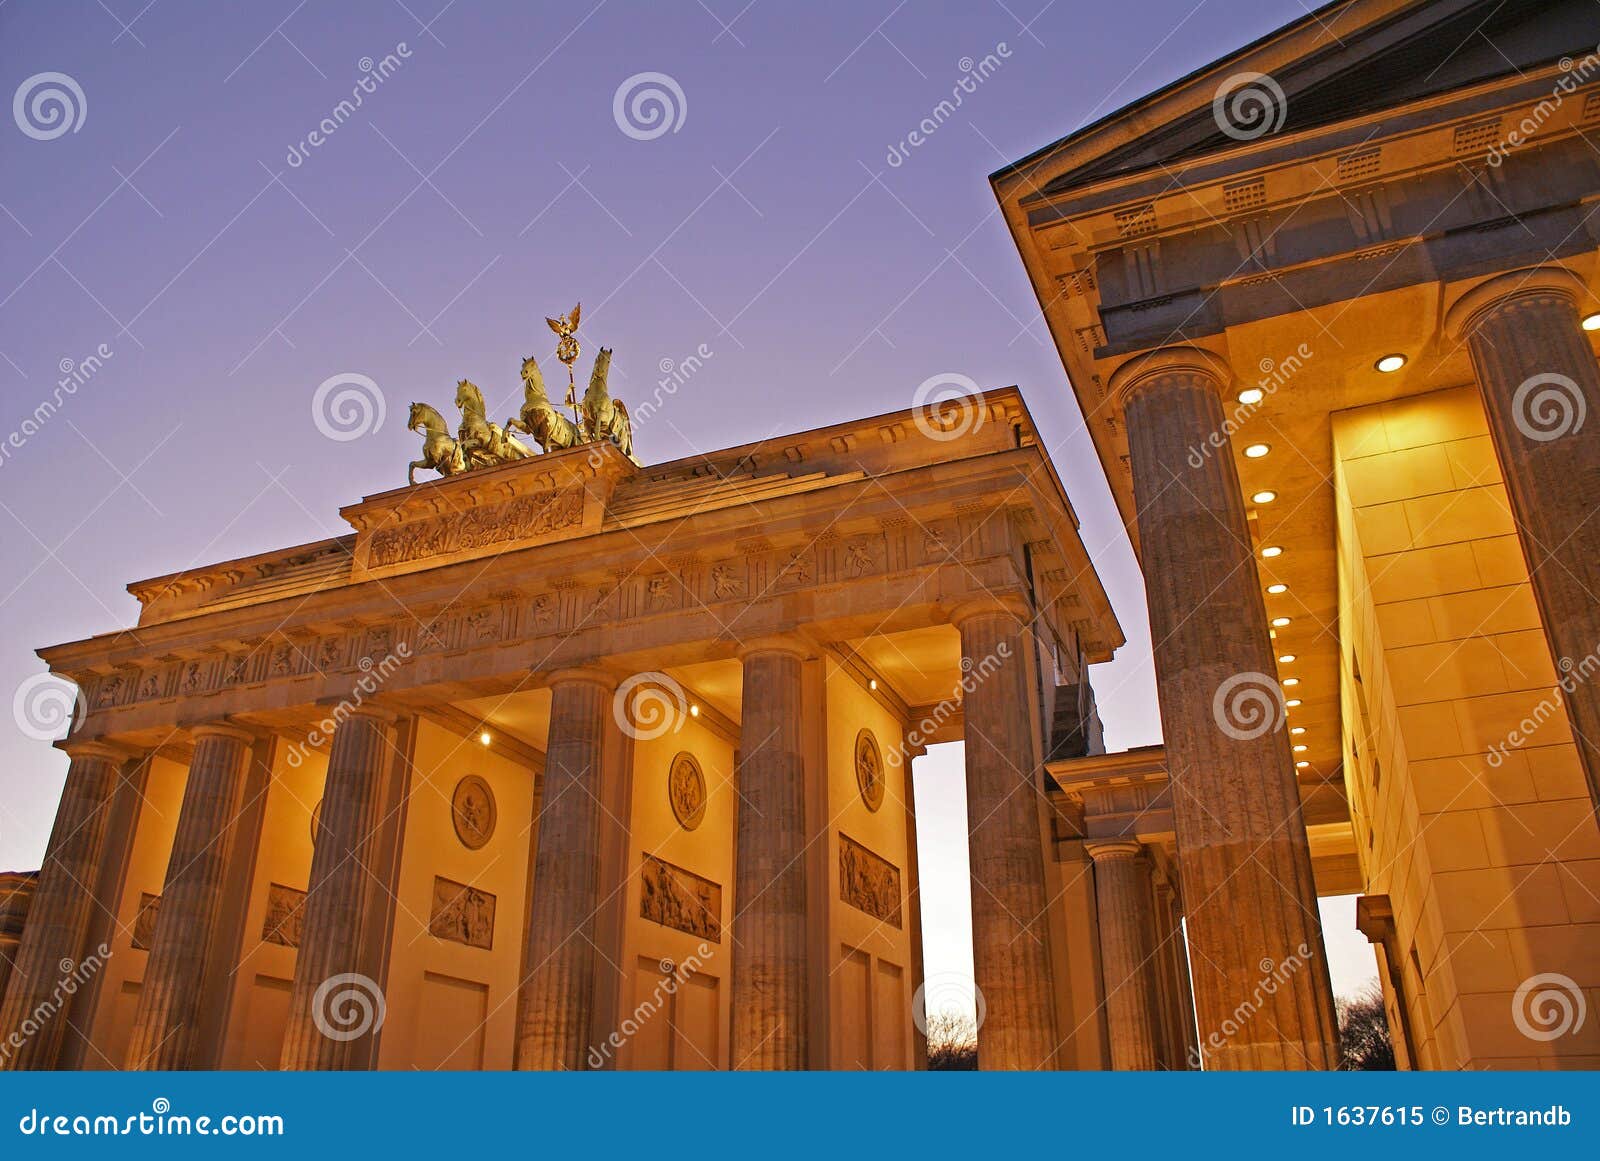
(869, 769)
(472, 810)
(686, 790)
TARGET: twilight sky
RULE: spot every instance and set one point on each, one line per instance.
(230, 262)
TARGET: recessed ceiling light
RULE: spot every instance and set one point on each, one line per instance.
(1256, 450)
(1279, 622)
(1298, 730)
(1301, 765)
(1277, 588)
(1255, 395)
(694, 710)
(1265, 497)
(1390, 363)
(1272, 550)
(485, 738)
(1301, 749)
(1591, 322)
(1291, 681)
(1286, 659)
(1292, 702)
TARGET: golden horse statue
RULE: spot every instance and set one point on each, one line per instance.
(440, 451)
(606, 418)
(540, 418)
(484, 444)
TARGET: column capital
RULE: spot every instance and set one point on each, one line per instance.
(581, 673)
(990, 604)
(1104, 850)
(776, 643)
(1165, 361)
(222, 728)
(1495, 293)
(95, 748)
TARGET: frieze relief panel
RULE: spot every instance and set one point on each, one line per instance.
(680, 899)
(285, 915)
(462, 914)
(144, 923)
(869, 882)
(476, 529)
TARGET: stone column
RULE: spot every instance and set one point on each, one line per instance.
(1541, 391)
(49, 958)
(164, 1029)
(1010, 932)
(555, 1005)
(1172, 964)
(1122, 893)
(769, 897)
(1242, 845)
(333, 1007)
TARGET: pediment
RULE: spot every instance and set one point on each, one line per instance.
(1343, 61)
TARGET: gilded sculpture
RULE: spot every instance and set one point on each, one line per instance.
(478, 443)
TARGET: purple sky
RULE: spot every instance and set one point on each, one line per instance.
(483, 185)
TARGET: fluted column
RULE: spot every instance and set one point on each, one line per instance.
(555, 1006)
(1122, 893)
(1242, 844)
(45, 976)
(169, 999)
(1172, 964)
(769, 923)
(1541, 391)
(336, 902)
(1010, 949)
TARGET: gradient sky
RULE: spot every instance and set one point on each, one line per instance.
(485, 184)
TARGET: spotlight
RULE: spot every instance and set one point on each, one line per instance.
(1271, 551)
(1264, 497)
(1591, 322)
(1390, 363)
(1278, 588)
(1252, 395)
(485, 738)
(1256, 450)
(1279, 622)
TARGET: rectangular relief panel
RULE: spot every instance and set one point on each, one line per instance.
(266, 1015)
(869, 882)
(696, 1022)
(144, 923)
(853, 1043)
(285, 915)
(890, 1014)
(680, 899)
(462, 914)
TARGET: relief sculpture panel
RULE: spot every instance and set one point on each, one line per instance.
(868, 882)
(680, 899)
(477, 528)
(462, 914)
